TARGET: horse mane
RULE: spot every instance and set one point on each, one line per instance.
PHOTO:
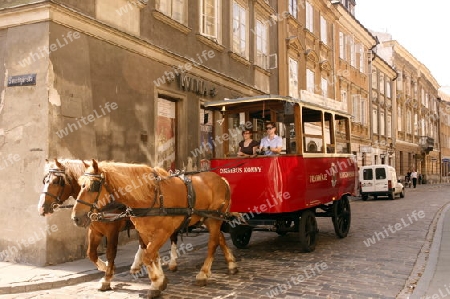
(73, 168)
(117, 175)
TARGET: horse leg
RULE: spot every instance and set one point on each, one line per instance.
(112, 239)
(205, 272)
(137, 263)
(173, 252)
(153, 263)
(94, 240)
(229, 257)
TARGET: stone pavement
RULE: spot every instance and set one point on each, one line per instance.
(17, 278)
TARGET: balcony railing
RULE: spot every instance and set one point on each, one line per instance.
(426, 143)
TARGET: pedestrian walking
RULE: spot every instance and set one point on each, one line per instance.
(414, 178)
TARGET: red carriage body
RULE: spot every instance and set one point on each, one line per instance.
(314, 176)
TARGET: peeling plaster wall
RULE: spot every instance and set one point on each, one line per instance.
(23, 145)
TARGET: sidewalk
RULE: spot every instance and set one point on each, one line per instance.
(18, 278)
(435, 281)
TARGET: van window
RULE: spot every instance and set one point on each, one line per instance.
(367, 174)
(380, 173)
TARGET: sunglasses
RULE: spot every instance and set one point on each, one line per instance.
(269, 128)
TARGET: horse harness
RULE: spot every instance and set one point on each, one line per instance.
(152, 210)
(62, 176)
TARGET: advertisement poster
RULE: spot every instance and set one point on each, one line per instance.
(166, 134)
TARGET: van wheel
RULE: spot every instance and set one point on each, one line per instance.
(402, 194)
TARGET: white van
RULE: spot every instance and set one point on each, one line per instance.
(379, 180)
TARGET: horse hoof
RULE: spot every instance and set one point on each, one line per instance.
(201, 282)
(106, 286)
(173, 268)
(233, 271)
(153, 294)
(164, 284)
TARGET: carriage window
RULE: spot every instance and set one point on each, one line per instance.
(312, 130)
(329, 130)
(342, 129)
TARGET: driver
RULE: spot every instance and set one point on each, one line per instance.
(271, 144)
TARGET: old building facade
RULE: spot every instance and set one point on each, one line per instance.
(115, 80)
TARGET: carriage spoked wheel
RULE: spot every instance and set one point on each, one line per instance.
(240, 235)
(341, 217)
(308, 231)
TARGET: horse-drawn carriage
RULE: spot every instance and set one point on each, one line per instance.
(313, 176)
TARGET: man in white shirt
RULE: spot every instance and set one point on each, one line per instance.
(271, 144)
(414, 178)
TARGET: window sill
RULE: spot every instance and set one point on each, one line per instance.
(171, 22)
(262, 70)
(210, 42)
(239, 58)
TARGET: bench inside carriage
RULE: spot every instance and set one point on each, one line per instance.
(312, 177)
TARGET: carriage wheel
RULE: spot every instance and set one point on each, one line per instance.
(307, 230)
(241, 235)
(341, 217)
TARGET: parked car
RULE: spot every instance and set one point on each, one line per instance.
(380, 180)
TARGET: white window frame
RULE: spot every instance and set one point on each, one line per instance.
(175, 9)
(352, 52)
(323, 30)
(342, 48)
(375, 120)
(408, 121)
(381, 86)
(293, 8)
(309, 16)
(344, 98)
(262, 44)
(293, 78)
(389, 125)
(382, 124)
(362, 60)
(210, 19)
(240, 32)
(399, 119)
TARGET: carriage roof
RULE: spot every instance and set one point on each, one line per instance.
(314, 101)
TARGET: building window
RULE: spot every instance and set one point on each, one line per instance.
(293, 78)
(374, 78)
(293, 8)
(388, 87)
(375, 121)
(323, 30)
(359, 109)
(324, 86)
(362, 60)
(416, 124)
(344, 99)
(342, 48)
(389, 126)
(352, 52)
(382, 83)
(262, 52)
(408, 122)
(209, 18)
(176, 9)
(382, 123)
(310, 80)
(399, 119)
(240, 35)
(309, 16)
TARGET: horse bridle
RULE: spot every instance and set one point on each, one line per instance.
(61, 174)
(96, 186)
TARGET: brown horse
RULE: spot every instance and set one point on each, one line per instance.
(60, 183)
(159, 205)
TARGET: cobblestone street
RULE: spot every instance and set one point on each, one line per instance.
(388, 266)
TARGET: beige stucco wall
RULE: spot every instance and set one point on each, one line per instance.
(23, 136)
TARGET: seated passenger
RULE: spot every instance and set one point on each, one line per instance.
(271, 144)
(248, 146)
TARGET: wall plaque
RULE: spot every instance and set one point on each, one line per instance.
(22, 80)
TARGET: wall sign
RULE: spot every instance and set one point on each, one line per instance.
(22, 80)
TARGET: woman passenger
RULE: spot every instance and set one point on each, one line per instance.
(248, 146)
